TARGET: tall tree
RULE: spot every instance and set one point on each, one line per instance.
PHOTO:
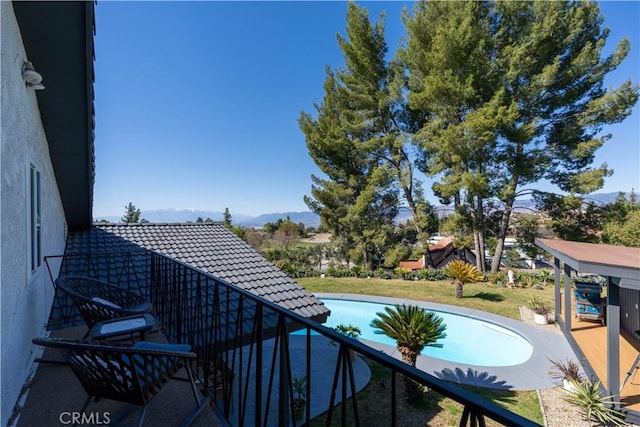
(513, 93)
(364, 108)
(551, 68)
(451, 79)
(131, 214)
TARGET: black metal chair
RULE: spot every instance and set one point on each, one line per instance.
(98, 301)
(131, 374)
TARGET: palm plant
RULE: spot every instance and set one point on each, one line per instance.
(460, 273)
(411, 327)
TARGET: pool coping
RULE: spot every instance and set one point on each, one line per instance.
(529, 375)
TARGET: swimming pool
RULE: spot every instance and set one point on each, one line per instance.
(469, 340)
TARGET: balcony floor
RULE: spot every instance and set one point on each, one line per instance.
(55, 391)
(591, 337)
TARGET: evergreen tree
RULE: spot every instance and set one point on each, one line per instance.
(131, 215)
(452, 82)
(551, 69)
(227, 218)
(359, 140)
(513, 94)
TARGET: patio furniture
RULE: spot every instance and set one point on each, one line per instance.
(129, 325)
(130, 374)
(98, 301)
(589, 304)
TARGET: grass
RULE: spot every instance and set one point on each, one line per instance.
(482, 296)
(436, 409)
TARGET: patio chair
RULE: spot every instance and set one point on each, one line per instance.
(98, 301)
(589, 304)
(130, 374)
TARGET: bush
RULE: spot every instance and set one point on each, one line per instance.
(432, 274)
(402, 272)
(500, 277)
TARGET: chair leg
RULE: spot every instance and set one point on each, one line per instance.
(143, 412)
(200, 403)
(85, 405)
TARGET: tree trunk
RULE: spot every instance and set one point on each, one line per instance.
(459, 288)
(502, 233)
(412, 390)
(480, 229)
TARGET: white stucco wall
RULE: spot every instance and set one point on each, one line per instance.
(25, 298)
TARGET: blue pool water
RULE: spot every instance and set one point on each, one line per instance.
(469, 341)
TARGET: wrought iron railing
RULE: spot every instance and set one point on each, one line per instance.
(250, 349)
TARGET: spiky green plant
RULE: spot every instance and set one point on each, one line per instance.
(593, 406)
(412, 328)
(351, 331)
(460, 273)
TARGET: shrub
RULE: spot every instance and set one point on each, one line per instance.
(403, 272)
(569, 370)
(588, 397)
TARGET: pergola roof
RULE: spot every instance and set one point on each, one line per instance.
(604, 260)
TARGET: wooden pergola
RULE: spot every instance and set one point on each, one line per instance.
(620, 266)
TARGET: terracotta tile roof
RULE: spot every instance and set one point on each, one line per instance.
(209, 247)
(413, 265)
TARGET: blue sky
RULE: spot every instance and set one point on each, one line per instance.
(197, 103)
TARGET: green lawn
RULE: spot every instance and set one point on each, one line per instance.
(483, 296)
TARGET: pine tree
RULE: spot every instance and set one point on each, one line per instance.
(359, 140)
(131, 215)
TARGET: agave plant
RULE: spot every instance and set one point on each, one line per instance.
(588, 397)
(460, 273)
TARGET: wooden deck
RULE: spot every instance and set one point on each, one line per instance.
(591, 338)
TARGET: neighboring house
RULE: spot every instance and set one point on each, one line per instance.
(441, 253)
(46, 166)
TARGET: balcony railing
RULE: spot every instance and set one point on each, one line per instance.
(244, 345)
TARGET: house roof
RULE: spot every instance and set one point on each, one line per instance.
(441, 250)
(605, 260)
(58, 39)
(413, 265)
(210, 247)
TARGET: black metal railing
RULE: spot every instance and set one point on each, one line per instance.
(250, 349)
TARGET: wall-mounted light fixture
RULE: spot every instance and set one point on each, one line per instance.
(31, 77)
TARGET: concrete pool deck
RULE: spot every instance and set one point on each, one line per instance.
(530, 375)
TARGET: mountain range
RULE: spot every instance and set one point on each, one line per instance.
(308, 218)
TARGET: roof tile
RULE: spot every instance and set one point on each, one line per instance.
(211, 247)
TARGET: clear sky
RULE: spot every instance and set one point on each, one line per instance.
(197, 103)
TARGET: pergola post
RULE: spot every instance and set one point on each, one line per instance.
(567, 297)
(613, 336)
(556, 281)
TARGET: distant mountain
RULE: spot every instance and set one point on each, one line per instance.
(178, 215)
(308, 218)
(183, 215)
